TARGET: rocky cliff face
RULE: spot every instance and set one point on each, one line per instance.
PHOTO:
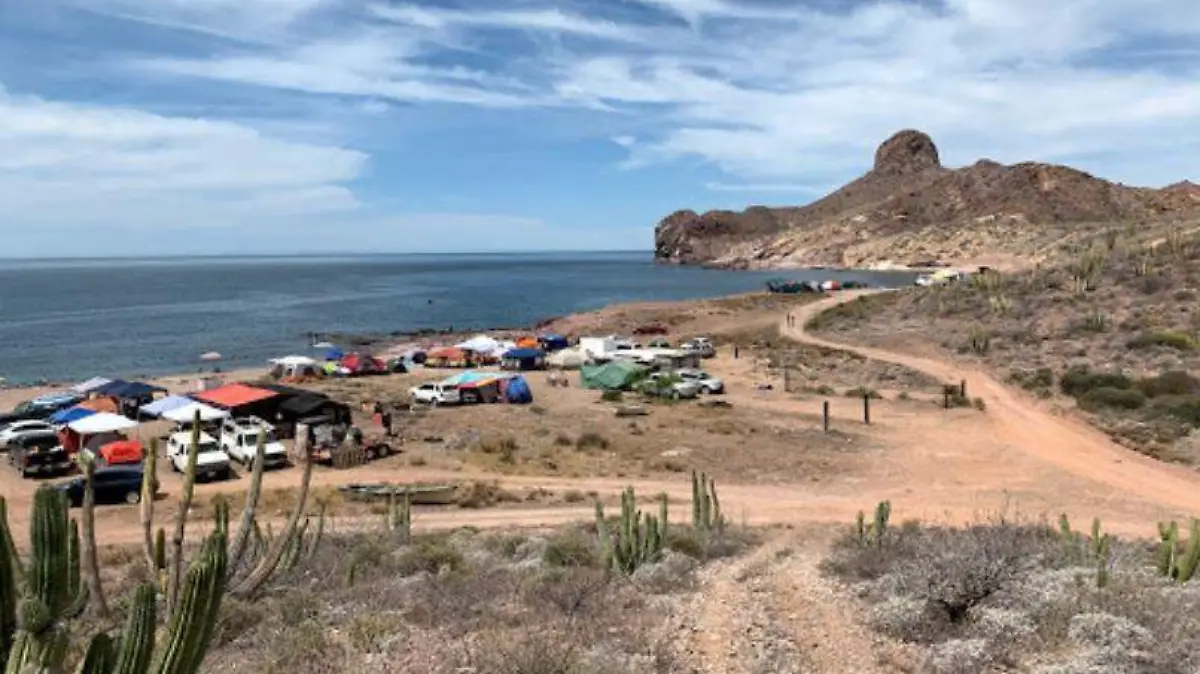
(909, 208)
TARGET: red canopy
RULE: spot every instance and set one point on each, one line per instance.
(233, 395)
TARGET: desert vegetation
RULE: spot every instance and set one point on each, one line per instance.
(1012, 595)
(1111, 329)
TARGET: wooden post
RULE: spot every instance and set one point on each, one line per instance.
(825, 415)
(787, 383)
(962, 388)
(946, 397)
(866, 409)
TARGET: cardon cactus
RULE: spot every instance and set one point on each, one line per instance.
(706, 507)
(1179, 565)
(639, 538)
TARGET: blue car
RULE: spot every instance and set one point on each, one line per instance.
(114, 484)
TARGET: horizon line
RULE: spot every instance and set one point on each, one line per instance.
(346, 253)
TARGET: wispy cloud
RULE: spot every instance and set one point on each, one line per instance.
(762, 95)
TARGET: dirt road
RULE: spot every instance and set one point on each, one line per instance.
(1021, 422)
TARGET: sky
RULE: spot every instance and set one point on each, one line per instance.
(171, 127)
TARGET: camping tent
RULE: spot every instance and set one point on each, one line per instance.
(241, 400)
(566, 359)
(158, 407)
(101, 422)
(334, 353)
(447, 356)
(553, 342)
(90, 385)
(129, 390)
(290, 367)
(516, 390)
(522, 359)
(616, 375)
(100, 405)
(480, 344)
(358, 363)
(187, 413)
(527, 342)
(70, 414)
(469, 377)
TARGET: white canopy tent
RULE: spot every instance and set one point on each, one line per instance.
(101, 422)
(187, 413)
(164, 405)
(90, 385)
(480, 344)
(294, 361)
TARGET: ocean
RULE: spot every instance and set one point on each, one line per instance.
(67, 320)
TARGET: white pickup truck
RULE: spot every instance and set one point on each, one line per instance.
(435, 393)
(239, 439)
(211, 462)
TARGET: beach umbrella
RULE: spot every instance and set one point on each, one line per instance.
(210, 356)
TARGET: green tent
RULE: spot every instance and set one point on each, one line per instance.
(617, 375)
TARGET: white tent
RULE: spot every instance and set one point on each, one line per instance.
(163, 405)
(101, 422)
(480, 344)
(187, 413)
(566, 359)
(90, 385)
(294, 361)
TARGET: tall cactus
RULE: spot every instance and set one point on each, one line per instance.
(315, 543)
(149, 491)
(706, 506)
(639, 539)
(185, 504)
(269, 562)
(8, 585)
(1178, 565)
(253, 494)
(399, 517)
(91, 561)
(879, 526)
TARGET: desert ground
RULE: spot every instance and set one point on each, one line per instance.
(540, 467)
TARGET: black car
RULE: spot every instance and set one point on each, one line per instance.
(114, 484)
(39, 408)
(39, 453)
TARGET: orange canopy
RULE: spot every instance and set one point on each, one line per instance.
(101, 405)
(527, 343)
(234, 395)
(446, 353)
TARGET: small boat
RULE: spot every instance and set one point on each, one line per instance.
(422, 494)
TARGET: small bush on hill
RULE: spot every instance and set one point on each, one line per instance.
(1172, 339)
(1032, 380)
(571, 549)
(863, 392)
(1185, 408)
(612, 396)
(1173, 383)
(1080, 379)
(591, 440)
(1107, 396)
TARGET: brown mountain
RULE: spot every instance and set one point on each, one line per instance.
(909, 208)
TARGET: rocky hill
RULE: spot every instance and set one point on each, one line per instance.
(909, 208)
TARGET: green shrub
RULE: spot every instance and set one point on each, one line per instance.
(612, 396)
(1172, 339)
(1032, 380)
(1185, 408)
(1120, 398)
(429, 556)
(1172, 383)
(1079, 379)
(571, 549)
(591, 440)
(863, 392)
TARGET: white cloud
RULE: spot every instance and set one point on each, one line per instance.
(242, 20)
(68, 163)
(548, 20)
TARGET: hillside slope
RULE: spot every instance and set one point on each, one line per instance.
(909, 208)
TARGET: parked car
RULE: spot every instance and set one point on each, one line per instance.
(707, 382)
(435, 393)
(659, 343)
(239, 439)
(700, 346)
(39, 408)
(116, 484)
(39, 453)
(211, 462)
(667, 386)
(11, 431)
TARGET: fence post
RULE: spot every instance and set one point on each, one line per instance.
(946, 397)
(825, 415)
(962, 387)
(866, 409)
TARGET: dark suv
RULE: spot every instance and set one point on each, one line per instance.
(115, 484)
(39, 453)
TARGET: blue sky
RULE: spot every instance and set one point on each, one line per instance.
(132, 127)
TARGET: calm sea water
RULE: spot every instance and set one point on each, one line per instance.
(69, 320)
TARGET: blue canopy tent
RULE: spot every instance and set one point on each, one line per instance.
(553, 342)
(333, 353)
(109, 388)
(523, 359)
(516, 390)
(70, 415)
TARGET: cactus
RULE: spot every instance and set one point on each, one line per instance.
(8, 585)
(291, 555)
(149, 490)
(399, 517)
(1169, 549)
(238, 549)
(879, 526)
(159, 561)
(639, 539)
(269, 561)
(860, 528)
(91, 561)
(1101, 550)
(100, 656)
(1173, 562)
(186, 492)
(706, 506)
(315, 543)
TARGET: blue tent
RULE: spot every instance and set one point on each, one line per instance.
(334, 353)
(130, 390)
(111, 387)
(523, 354)
(69, 415)
(517, 391)
(553, 342)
